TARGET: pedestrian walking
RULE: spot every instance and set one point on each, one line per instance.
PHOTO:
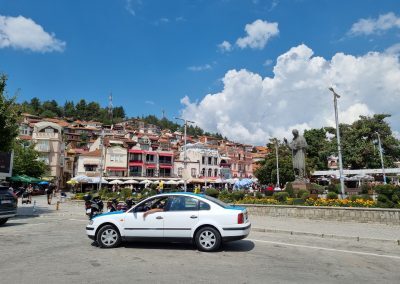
(49, 193)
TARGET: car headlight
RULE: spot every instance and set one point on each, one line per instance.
(91, 222)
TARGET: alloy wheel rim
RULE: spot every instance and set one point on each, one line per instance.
(207, 239)
(109, 237)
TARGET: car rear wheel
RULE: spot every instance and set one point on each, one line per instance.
(3, 221)
(208, 239)
(108, 237)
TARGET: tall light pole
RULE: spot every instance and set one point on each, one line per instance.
(185, 121)
(381, 154)
(335, 97)
(277, 163)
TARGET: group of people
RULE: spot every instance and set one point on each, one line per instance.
(27, 191)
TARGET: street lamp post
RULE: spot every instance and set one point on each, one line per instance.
(335, 97)
(381, 155)
(277, 163)
(185, 121)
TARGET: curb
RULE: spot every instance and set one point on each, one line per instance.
(340, 237)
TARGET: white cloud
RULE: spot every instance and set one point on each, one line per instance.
(200, 68)
(149, 102)
(394, 49)
(258, 34)
(23, 33)
(375, 26)
(268, 62)
(225, 46)
(251, 108)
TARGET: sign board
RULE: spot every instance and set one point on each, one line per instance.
(6, 164)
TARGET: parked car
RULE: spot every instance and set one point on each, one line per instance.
(8, 204)
(172, 217)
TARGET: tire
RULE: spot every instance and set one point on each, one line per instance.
(208, 239)
(3, 221)
(108, 237)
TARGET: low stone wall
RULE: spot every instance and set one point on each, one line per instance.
(362, 215)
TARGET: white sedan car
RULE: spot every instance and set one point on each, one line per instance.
(172, 217)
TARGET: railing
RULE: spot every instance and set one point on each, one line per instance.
(45, 135)
(135, 174)
(42, 148)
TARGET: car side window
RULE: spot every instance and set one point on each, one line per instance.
(204, 206)
(182, 203)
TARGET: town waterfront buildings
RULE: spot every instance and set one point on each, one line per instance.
(132, 149)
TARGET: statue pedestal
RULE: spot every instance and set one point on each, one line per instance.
(301, 184)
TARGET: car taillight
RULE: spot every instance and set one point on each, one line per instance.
(240, 218)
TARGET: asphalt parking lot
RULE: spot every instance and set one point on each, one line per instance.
(53, 248)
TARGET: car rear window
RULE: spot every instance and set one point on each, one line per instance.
(216, 201)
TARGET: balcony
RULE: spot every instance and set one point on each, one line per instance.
(135, 174)
(42, 148)
(48, 135)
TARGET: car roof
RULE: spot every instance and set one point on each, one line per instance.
(181, 193)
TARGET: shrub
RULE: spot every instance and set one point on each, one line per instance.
(333, 188)
(316, 188)
(259, 195)
(212, 192)
(365, 188)
(281, 196)
(289, 189)
(332, 195)
(305, 195)
(299, 201)
(301, 192)
(238, 195)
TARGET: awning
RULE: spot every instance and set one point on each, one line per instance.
(136, 151)
(151, 153)
(165, 154)
(116, 169)
(152, 166)
(91, 162)
(137, 164)
(165, 167)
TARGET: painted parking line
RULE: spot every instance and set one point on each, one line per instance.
(80, 220)
(327, 249)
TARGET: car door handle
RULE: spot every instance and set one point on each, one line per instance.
(193, 216)
(159, 217)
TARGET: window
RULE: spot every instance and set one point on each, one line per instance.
(215, 172)
(150, 158)
(203, 160)
(193, 172)
(209, 172)
(215, 161)
(239, 157)
(180, 170)
(182, 203)
(210, 160)
(203, 206)
(203, 172)
(150, 172)
(49, 130)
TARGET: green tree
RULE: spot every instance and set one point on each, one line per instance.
(69, 109)
(267, 172)
(53, 107)
(36, 106)
(92, 111)
(26, 161)
(81, 109)
(319, 149)
(8, 118)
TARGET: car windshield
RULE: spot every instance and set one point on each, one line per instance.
(215, 200)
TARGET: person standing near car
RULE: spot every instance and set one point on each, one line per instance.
(29, 191)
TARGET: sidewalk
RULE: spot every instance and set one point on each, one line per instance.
(326, 229)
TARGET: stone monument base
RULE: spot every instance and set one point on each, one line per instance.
(301, 184)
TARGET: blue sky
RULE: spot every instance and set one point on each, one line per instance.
(151, 54)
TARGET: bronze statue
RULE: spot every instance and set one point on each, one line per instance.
(298, 147)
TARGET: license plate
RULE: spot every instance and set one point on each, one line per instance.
(88, 211)
(5, 201)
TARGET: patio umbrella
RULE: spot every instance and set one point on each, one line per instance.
(146, 181)
(82, 179)
(181, 181)
(131, 181)
(19, 178)
(43, 183)
(171, 182)
(72, 182)
(97, 180)
(116, 181)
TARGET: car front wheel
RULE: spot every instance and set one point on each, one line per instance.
(208, 239)
(3, 221)
(108, 237)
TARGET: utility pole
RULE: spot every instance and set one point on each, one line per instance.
(110, 108)
(185, 121)
(335, 97)
(101, 159)
(381, 154)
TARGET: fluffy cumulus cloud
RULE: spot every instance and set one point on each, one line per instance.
(258, 34)
(251, 108)
(225, 46)
(375, 26)
(23, 33)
